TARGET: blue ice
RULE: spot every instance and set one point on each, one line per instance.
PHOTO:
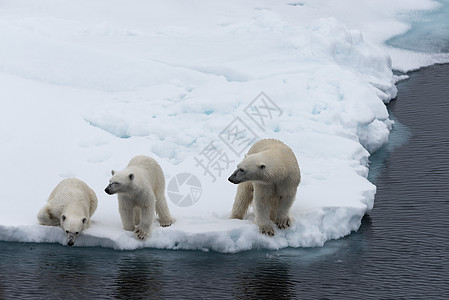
(429, 33)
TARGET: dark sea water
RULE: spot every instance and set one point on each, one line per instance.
(401, 251)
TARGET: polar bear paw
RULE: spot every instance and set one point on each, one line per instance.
(140, 234)
(166, 223)
(283, 223)
(267, 230)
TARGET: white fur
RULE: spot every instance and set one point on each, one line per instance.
(140, 188)
(70, 205)
(268, 177)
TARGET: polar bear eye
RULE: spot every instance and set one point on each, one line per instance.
(66, 231)
(77, 233)
(241, 170)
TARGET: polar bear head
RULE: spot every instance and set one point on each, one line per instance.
(254, 167)
(72, 226)
(120, 182)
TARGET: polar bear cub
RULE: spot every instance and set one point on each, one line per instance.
(140, 188)
(268, 176)
(70, 205)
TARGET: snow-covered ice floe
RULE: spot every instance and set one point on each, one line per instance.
(86, 86)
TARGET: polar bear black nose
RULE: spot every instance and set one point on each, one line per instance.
(70, 242)
(108, 190)
(233, 178)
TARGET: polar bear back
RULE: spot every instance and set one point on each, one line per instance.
(266, 144)
(72, 194)
(280, 156)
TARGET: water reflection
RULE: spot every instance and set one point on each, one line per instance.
(138, 276)
(267, 279)
(58, 272)
(399, 136)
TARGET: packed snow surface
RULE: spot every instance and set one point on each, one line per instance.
(87, 85)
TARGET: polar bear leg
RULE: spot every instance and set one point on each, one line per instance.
(137, 215)
(143, 229)
(243, 199)
(274, 208)
(283, 220)
(126, 211)
(263, 197)
(45, 217)
(163, 212)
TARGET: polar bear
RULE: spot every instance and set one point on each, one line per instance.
(268, 176)
(70, 205)
(140, 188)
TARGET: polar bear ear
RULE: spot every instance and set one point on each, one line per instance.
(131, 176)
(63, 217)
(112, 172)
(262, 166)
(84, 220)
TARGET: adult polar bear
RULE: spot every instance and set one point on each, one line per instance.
(269, 175)
(70, 205)
(140, 188)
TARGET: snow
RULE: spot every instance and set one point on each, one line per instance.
(87, 85)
